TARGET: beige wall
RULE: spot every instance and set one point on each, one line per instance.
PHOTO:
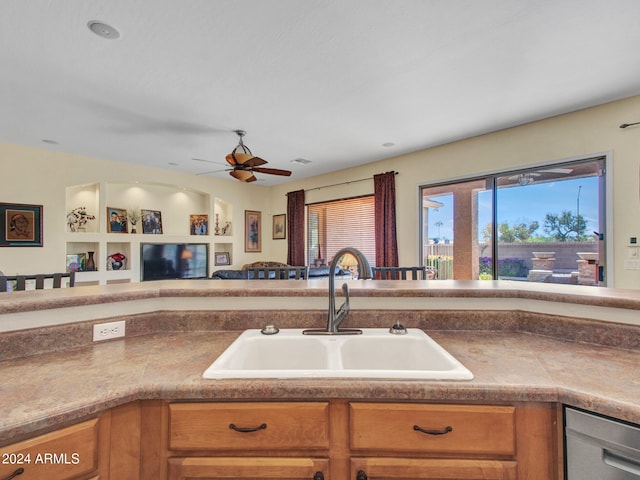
(578, 134)
(37, 176)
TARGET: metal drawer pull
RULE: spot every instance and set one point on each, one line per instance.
(247, 429)
(621, 462)
(444, 431)
(318, 476)
(361, 475)
(19, 471)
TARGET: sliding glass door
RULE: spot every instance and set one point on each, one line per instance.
(543, 224)
(452, 216)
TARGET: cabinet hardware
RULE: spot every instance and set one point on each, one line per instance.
(318, 476)
(19, 471)
(247, 429)
(433, 432)
(361, 475)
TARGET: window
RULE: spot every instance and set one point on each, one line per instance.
(341, 223)
(540, 224)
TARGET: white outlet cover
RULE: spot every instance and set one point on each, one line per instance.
(108, 331)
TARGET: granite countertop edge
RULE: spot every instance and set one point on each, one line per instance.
(64, 388)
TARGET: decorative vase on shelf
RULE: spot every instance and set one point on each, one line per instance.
(91, 263)
(117, 261)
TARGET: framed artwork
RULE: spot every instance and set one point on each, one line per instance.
(151, 221)
(117, 220)
(20, 225)
(252, 231)
(221, 258)
(76, 262)
(199, 224)
(280, 226)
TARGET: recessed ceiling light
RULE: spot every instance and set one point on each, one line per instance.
(301, 161)
(388, 144)
(52, 142)
(103, 30)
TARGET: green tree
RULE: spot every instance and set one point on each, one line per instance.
(565, 227)
(520, 232)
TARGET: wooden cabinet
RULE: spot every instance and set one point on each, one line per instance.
(431, 469)
(452, 429)
(71, 453)
(279, 440)
(248, 468)
(248, 426)
(461, 442)
(344, 440)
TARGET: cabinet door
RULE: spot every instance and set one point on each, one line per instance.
(431, 469)
(66, 454)
(253, 468)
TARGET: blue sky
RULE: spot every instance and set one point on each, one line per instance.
(525, 205)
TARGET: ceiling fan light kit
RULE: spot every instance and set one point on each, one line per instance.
(244, 163)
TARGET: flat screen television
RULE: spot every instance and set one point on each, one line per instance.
(163, 261)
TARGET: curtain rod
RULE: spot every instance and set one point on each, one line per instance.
(342, 183)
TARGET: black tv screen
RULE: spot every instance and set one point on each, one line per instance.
(162, 261)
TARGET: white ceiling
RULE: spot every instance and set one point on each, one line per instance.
(325, 80)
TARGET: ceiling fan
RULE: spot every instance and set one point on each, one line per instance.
(245, 164)
(527, 178)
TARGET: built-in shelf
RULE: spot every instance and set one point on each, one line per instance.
(176, 206)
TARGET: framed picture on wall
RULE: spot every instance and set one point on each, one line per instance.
(280, 226)
(151, 221)
(221, 258)
(252, 231)
(199, 224)
(117, 220)
(20, 225)
(76, 262)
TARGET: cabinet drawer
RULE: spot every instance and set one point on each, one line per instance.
(463, 429)
(248, 426)
(433, 469)
(64, 454)
(246, 467)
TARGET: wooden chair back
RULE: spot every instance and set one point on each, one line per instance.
(403, 273)
(21, 280)
(279, 273)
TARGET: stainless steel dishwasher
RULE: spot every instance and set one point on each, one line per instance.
(599, 448)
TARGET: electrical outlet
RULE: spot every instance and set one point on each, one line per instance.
(107, 331)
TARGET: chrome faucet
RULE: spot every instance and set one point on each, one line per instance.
(334, 319)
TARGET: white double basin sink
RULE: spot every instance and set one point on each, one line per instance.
(376, 353)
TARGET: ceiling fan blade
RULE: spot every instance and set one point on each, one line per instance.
(254, 162)
(272, 171)
(243, 175)
(212, 171)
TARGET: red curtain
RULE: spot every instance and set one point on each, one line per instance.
(384, 191)
(295, 224)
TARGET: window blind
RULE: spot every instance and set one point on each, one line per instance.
(341, 223)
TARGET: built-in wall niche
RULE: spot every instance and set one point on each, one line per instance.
(222, 221)
(77, 250)
(174, 204)
(83, 208)
(222, 256)
(114, 258)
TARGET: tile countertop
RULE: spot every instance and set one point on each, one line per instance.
(47, 390)
(32, 300)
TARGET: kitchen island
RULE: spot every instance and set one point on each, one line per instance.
(523, 343)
